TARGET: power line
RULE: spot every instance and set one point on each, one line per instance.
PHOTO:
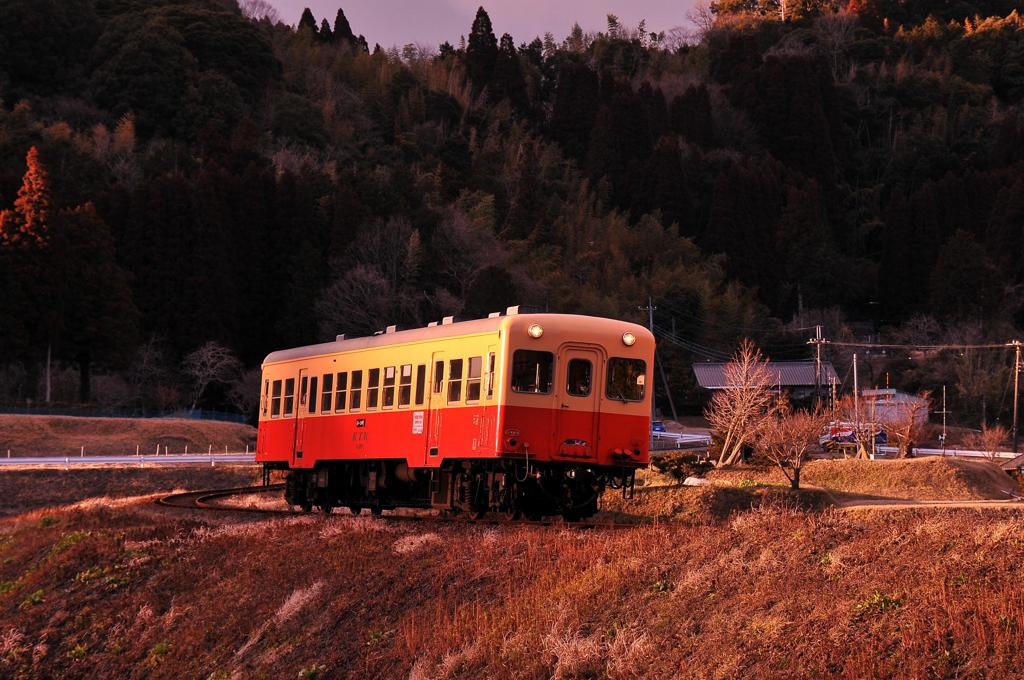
(926, 348)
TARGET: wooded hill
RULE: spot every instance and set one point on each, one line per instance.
(203, 174)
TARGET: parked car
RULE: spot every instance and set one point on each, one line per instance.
(842, 432)
(657, 426)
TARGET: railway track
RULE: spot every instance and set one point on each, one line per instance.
(206, 501)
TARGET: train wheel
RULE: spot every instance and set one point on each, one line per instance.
(327, 508)
(513, 514)
(376, 510)
(306, 507)
(355, 510)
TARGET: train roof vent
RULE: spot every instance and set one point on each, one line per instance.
(339, 338)
(390, 329)
(448, 321)
(494, 315)
(512, 311)
(431, 324)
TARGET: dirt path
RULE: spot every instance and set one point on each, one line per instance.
(900, 504)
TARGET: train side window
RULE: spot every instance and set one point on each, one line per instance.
(325, 401)
(265, 401)
(405, 386)
(289, 396)
(438, 376)
(626, 379)
(355, 397)
(473, 378)
(454, 380)
(490, 375)
(531, 371)
(421, 383)
(579, 377)
(389, 387)
(340, 392)
(372, 389)
(275, 400)
(302, 390)
(314, 390)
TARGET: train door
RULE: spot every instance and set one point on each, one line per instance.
(576, 427)
(298, 422)
(435, 408)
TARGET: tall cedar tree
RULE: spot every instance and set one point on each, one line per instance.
(307, 22)
(325, 31)
(28, 222)
(481, 52)
(508, 81)
(342, 29)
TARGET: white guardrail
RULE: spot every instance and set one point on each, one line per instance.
(670, 441)
(960, 453)
(141, 461)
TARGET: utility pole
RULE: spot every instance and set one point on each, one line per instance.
(817, 341)
(856, 395)
(1016, 389)
(650, 324)
(943, 442)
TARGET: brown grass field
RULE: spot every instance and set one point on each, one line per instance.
(64, 435)
(731, 581)
(916, 478)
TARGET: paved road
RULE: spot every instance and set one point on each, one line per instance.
(171, 459)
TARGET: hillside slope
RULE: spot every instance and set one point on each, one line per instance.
(64, 435)
(145, 592)
(918, 478)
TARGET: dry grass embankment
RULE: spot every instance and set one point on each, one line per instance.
(138, 592)
(64, 435)
(917, 478)
(29, 489)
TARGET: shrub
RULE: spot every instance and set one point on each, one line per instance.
(681, 464)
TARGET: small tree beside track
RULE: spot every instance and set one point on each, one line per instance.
(787, 437)
(738, 411)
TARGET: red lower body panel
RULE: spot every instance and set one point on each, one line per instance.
(568, 436)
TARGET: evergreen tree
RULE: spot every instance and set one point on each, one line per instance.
(325, 34)
(481, 52)
(342, 29)
(508, 82)
(307, 22)
(98, 318)
(28, 221)
(963, 265)
(576, 104)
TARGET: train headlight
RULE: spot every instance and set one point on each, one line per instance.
(628, 339)
(535, 330)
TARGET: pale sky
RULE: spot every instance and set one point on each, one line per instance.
(431, 22)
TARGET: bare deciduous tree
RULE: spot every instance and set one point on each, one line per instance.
(990, 440)
(860, 423)
(211, 363)
(245, 391)
(787, 438)
(259, 9)
(360, 302)
(904, 426)
(738, 410)
(835, 32)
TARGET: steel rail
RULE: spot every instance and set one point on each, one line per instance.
(201, 500)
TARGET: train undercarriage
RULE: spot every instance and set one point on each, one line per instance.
(510, 488)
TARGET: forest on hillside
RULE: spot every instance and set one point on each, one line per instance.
(178, 172)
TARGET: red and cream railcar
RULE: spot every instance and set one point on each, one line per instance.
(520, 413)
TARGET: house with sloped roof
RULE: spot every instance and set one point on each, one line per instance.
(795, 377)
